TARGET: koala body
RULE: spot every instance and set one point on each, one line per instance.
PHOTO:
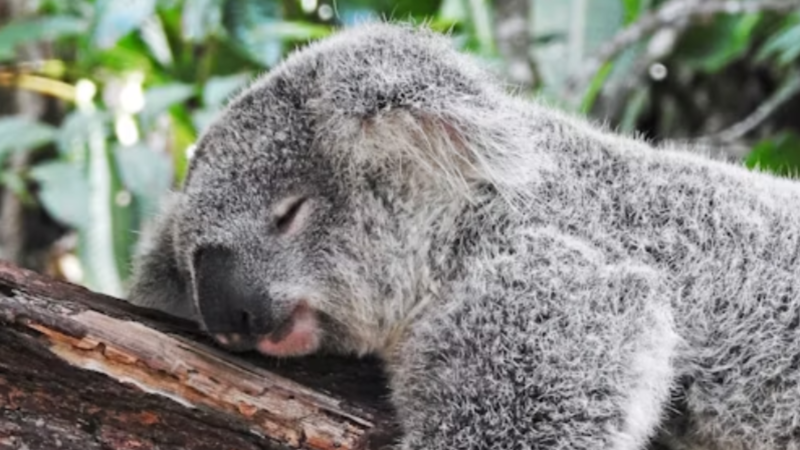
(530, 279)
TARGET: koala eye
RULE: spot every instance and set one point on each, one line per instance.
(290, 214)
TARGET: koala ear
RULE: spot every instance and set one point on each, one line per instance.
(157, 281)
(458, 146)
(405, 96)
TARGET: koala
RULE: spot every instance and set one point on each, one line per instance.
(530, 279)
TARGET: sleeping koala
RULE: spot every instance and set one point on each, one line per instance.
(530, 279)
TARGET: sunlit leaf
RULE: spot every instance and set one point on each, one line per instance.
(712, 47)
(20, 133)
(159, 98)
(284, 30)
(109, 232)
(202, 118)
(602, 20)
(595, 86)
(218, 89)
(405, 9)
(50, 28)
(785, 44)
(453, 10)
(574, 30)
(74, 132)
(241, 17)
(354, 11)
(779, 155)
(145, 173)
(121, 59)
(116, 18)
(481, 23)
(58, 7)
(184, 135)
(53, 68)
(350, 16)
(634, 9)
(153, 34)
(200, 18)
(63, 192)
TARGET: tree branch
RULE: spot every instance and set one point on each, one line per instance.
(786, 92)
(79, 370)
(671, 13)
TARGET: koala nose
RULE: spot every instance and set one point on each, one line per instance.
(229, 305)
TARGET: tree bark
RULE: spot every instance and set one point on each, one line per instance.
(83, 371)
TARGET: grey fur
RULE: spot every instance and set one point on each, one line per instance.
(532, 280)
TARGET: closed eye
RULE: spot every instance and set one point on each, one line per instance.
(288, 214)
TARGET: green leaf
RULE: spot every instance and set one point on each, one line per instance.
(145, 173)
(482, 26)
(602, 20)
(183, 136)
(284, 30)
(779, 155)
(202, 118)
(108, 233)
(20, 133)
(241, 17)
(63, 192)
(74, 132)
(785, 44)
(218, 89)
(712, 47)
(633, 109)
(116, 18)
(453, 10)
(403, 9)
(351, 12)
(155, 37)
(200, 18)
(23, 31)
(633, 8)
(568, 32)
(159, 98)
(260, 29)
(595, 87)
(15, 183)
(121, 59)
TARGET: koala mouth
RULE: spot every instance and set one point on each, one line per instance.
(297, 336)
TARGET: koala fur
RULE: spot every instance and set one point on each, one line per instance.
(530, 279)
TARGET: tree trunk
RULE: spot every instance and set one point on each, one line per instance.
(83, 371)
(26, 234)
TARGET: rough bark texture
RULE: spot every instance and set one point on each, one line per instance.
(83, 371)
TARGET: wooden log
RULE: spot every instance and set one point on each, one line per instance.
(80, 370)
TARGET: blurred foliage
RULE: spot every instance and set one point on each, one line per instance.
(139, 80)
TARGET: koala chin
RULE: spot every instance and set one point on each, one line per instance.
(531, 279)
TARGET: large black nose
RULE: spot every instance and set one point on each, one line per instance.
(228, 301)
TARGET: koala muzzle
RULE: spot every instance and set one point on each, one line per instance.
(231, 307)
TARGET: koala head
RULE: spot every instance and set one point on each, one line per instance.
(309, 213)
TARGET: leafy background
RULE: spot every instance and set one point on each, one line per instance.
(102, 100)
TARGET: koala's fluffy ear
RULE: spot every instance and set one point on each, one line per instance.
(405, 95)
(456, 148)
(157, 280)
